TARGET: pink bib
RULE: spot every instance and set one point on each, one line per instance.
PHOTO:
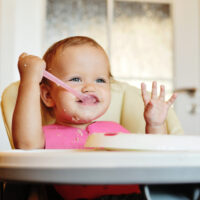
(66, 137)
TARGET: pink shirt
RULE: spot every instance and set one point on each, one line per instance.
(65, 137)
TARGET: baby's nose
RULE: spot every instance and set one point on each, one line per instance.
(89, 87)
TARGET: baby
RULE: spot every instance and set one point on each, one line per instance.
(83, 64)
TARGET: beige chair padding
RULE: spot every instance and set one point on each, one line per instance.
(126, 108)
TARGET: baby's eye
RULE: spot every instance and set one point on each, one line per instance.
(100, 80)
(75, 79)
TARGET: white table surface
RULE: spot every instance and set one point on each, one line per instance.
(100, 167)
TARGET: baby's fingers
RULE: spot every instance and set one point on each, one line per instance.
(154, 90)
(22, 55)
(145, 95)
(171, 100)
(162, 93)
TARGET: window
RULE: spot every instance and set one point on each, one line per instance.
(67, 18)
(136, 35)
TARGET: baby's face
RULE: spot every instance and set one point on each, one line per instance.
(86, 69)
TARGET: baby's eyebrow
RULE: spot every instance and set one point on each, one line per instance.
(67, 78)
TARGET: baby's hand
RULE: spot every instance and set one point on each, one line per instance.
(156, 108)
(31, 67)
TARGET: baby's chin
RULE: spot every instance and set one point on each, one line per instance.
(77, 120)
(84, 119)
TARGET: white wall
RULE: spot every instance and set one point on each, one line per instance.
(21, 30)
(7, 50)
(22, 25)
(186, 17)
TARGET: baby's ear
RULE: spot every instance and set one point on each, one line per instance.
(46, 95)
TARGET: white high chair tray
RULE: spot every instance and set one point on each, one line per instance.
(100, 167)
(150, 142)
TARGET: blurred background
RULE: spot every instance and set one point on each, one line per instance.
(146, 40)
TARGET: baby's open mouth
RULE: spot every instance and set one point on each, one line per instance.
(89, 100)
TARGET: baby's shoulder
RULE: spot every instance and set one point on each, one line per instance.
(108, 123)
(109, 126)
(56, 127)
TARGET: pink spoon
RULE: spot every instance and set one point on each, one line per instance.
(83, 97)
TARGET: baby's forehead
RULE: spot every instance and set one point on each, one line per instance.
(65, 55)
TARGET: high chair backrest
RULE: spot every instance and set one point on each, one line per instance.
(126, 108)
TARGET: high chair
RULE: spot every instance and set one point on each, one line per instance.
(126, 108)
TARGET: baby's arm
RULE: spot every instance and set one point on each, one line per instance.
(156, 108)
(27, 123)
